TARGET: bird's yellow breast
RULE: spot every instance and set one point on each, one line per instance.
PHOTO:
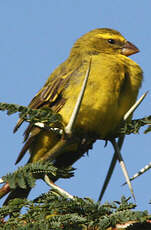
(112, 89)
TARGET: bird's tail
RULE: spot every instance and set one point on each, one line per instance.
(17, 193)
(66, 159)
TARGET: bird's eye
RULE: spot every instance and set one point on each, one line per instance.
(111, 41)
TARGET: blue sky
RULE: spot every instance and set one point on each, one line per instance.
(35, 37)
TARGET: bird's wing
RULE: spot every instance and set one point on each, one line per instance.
(49, 96)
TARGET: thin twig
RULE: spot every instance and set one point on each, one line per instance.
(1, 181)
(123, 166)
(134, 107)
(69, 127)
(120, 143)
(141, 171)
(4, 190)
(61, 191)
(111, 169)
(46, 127)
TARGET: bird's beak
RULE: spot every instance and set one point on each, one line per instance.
(129, 49)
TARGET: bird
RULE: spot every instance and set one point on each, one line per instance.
(112, 88)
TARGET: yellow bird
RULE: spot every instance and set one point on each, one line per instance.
(112, 88)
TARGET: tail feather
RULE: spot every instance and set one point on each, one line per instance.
(19, 123)
(24, 149)
(17, 193)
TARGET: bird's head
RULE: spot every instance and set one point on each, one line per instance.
(104, 40)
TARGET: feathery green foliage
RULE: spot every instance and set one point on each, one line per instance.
(135, 125)
(24, 177)
(45, 115)
(51, 211)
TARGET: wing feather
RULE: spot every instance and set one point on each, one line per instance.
(50, 95)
